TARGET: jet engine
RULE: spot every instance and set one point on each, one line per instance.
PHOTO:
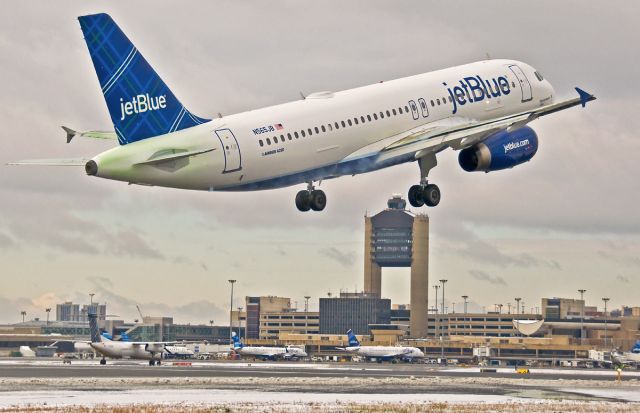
(501, 150)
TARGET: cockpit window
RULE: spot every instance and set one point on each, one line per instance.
(539, 76)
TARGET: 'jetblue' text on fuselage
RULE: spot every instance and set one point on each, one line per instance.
(475, 89)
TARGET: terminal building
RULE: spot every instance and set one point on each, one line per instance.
(355, 311)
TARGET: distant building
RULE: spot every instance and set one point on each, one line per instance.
(255, 306)
(99, 309)
(67, 311)
(273, 324)
(562, 308)
(356, 312)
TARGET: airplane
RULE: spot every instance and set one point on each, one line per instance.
(480, 109)
(141, 350)
(628, 357)
(381, 353)
(169, 350)
(267, 353)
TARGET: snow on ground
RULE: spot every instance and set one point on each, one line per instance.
(201, 396)
(581, 372)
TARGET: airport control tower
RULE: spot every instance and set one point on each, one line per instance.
(397, 238)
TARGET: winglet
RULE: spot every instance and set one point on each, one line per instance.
(584, 96)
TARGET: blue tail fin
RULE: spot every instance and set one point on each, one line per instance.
(139, 102)
(236, 340)
(353, 341)
(636, 348)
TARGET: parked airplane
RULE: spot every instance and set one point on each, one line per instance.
(480, 109)
(142, 350)
(268, 353)
(381, 353)
(628, 357)
(169, 350)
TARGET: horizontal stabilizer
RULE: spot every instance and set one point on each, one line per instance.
(173, 155)
(95, 134)
(584, 96)
(51, 162)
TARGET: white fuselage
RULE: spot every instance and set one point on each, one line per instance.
(305, 140)
(123, 349)
(270, 352)
(386, 351)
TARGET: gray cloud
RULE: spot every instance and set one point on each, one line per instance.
(623, 279)
(344, 258)
(575, 189)
(5, 241)
(483, 276)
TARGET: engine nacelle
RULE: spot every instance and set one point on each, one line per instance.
(500, 151)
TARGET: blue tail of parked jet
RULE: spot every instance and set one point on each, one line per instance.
(141, 105)
(237, 344)
(353, 341)
(636, 348)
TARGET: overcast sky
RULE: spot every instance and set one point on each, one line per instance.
(566, 220)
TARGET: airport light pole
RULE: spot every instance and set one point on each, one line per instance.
(91, 299)
(231, 312)
(499, 308)
(582, 291)
(306, 303)
(443, 282)
(437, 332)
(606, 300)
(48, 310)
(517, 304)
(465, 297)
(23, 313)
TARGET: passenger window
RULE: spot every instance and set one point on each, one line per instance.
(513, 84)
(323, 129)
(289, 136)
(349, 122)
(375, 116)
(406, 109)
(260, 142)
(268, 141)
(369, 118)
(362, 119)
(317, 131)
(302, 132)
(381, 115)
(438, 102)
(343, 124)
(355, 120)
(432, 104)
(295, 134)
(330, 127)
(337, 126)
(388, 114)
(450, 100)
(282, 138)
(394, 112)
(309, 131)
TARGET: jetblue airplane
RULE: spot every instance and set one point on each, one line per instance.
(267, 353)
(382, 353)
(479, 109)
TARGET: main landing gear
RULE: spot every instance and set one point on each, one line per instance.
(425, 193)
(311, 198)
(103, 361)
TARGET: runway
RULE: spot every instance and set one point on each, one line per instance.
(20, 368)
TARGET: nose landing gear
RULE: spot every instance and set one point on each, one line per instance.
(311, 198)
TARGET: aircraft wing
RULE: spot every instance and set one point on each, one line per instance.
(460, 133)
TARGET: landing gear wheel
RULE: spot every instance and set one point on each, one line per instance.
(415, 196)
(303, 202)
(317, 200)
(158, 363)
(103, 362)
(431, 195)
(152, 363)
